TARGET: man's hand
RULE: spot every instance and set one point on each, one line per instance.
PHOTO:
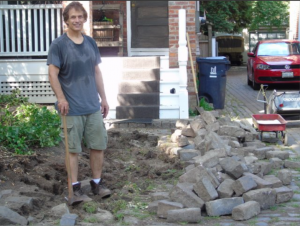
(63, 107)
(104, 108)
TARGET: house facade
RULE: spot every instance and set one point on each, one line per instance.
(122, 30)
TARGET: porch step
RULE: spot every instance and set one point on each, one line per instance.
(138, 99)
(141, 62)
(138, 95)
(133, 112)
(148, 74)
(134, 86)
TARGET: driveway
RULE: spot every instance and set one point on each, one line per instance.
(238, 89)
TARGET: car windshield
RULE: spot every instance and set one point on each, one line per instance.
(278, 49)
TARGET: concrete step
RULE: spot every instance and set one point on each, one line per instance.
(138, 99)
(134, 112)
(128, 86)
(141, 62)
(148, 74)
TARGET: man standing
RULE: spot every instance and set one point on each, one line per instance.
(77, 82)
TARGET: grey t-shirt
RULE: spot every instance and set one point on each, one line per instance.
(77, 72)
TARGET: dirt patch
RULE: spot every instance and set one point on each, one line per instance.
(133, 168)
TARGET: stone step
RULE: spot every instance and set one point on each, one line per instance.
(138, 99)
(141, 62)
(134, 112)
(126, 86)
(141, 74)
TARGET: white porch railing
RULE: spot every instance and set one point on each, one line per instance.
(28, 30)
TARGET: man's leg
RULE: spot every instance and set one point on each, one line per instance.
(75, 131)
(96, 162)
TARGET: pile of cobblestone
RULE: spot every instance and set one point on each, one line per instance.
(228, 171)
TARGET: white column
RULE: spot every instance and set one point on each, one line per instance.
(182, 62)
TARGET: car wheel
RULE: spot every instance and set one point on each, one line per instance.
(255, 85)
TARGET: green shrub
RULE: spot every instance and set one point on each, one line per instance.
(205, 105)
(25, 125)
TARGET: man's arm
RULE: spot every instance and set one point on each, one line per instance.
(101, 91)
(63, 105)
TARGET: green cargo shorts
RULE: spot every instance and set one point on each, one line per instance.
(90, 127)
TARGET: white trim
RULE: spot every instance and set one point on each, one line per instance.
(149, 51)
(140, 51)
(128, 14)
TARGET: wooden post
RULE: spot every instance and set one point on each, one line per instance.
(182, 62)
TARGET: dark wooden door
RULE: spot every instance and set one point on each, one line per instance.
(149, 24)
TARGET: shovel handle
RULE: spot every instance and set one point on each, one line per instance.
(67, 160)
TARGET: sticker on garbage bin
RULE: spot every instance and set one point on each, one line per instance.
(213, 72)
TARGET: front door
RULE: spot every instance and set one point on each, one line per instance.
(149, 24)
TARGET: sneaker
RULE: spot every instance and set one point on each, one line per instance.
(100, 189)
(78, 196)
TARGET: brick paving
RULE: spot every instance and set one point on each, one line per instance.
(245, 102)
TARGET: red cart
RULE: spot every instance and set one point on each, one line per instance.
(270, 123)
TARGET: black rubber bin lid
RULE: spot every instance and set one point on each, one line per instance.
(213, 60)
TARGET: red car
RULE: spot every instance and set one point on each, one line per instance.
(274, 62)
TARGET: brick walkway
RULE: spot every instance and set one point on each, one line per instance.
(241, 101)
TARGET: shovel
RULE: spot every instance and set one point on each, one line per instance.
(70, 199)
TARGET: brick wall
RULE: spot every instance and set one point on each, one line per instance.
(190, 7)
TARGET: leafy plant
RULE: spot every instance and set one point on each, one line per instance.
(24, 125)
(205, 105)
(193, 112)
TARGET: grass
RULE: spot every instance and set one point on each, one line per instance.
(294, 159)
(132, 167)
(90, 220)
(295, 205)
(118, 205)
(119, 216)
(273, 172)
(90, 207)
(273, 208)
(212, 218)
(274, 220)
(252, 221)
(282, 205)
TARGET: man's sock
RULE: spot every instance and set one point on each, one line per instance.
(97, 181)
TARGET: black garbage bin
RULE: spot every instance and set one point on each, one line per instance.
(212, 79)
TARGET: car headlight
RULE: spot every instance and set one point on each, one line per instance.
(262, 67)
